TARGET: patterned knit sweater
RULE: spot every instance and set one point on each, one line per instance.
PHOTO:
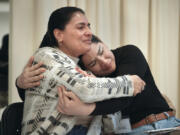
(40, 114)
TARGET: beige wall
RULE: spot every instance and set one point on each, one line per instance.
(21, 41)
(152, 25)
(4, 20)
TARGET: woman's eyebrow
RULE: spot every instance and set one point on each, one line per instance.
(83, 23)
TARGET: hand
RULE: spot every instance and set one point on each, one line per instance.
(84, 72)
(70, 104)
(31, 75)
(138, 83)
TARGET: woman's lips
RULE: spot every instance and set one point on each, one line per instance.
(87, 41)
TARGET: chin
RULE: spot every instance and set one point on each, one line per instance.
(88, 48)
(103, 74)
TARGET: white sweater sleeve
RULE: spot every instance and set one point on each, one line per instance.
(61, 70)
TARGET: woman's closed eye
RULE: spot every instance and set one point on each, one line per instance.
(80, 27)
(92, 63)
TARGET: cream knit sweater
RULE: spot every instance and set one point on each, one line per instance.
(40, 114)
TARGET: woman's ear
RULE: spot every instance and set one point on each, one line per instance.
(58, 34)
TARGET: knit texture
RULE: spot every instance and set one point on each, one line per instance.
(40, 114)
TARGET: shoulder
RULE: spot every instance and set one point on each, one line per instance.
(44, 53)
(49, 54)
(130, 48)
(127, 49)
(46, 50)
(49, 51)
(128, 53)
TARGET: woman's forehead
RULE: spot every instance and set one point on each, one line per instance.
(79, 18)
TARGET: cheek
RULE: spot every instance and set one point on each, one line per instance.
(109, 55)
(96, 69)
(74, 36)
(77, 34)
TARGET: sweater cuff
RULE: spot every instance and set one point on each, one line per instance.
(21, 91)
(130, 85)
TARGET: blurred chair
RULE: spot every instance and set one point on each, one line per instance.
(11, 119)
(4, 72)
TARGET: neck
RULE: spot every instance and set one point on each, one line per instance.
(67, 52)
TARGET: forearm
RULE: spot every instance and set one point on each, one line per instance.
(121, 87)
(111, 106)
(87, 109)
(63, 71)
(97, 90)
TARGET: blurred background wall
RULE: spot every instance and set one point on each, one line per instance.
(152, 25)
(4, 19)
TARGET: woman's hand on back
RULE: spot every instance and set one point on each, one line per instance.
(31, 75)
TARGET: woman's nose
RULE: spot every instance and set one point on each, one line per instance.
(88, 32)
(103, 61)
